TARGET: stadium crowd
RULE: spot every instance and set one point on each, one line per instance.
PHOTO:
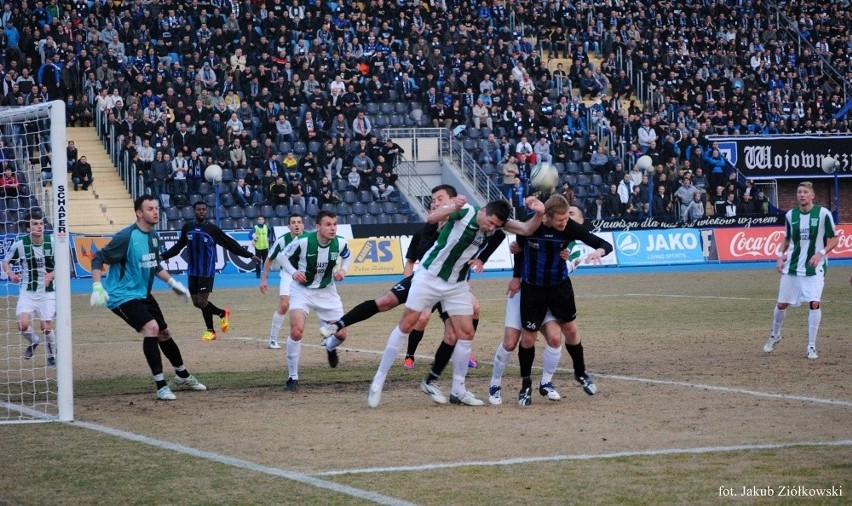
(288, 96)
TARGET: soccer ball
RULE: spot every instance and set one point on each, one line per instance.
(213, 173)
(544, 177)
(644, 163)
(829, 165)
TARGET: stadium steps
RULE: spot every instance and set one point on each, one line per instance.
(107, 206)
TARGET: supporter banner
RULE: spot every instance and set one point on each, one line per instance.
(374, 256)
(763, 243)
(711, 222)
(786, 156)
(659, 247)
(611, 259)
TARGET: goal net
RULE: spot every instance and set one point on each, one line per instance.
(35, 313)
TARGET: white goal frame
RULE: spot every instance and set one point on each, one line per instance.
(57, 209)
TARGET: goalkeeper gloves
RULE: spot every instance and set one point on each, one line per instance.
(179, 289)
(99, 295)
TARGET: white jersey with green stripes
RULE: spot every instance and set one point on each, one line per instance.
(808, 233)
(318, 262)
(459, 241)
(278, 248)
(36, 261)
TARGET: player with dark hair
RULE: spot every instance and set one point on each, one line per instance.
(297, 226)
(442, 277)
(809, 235)
(200, 239)
(35, 253)
(132, 253)
(315, 261)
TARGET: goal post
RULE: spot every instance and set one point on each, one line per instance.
(36, 372)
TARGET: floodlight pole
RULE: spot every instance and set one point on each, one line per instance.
(218, 189)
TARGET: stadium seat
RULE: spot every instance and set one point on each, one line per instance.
(400, 218)
(576, 155)
(252, 212)
(227, 224)
(300, 148)
(587, 168)
(228, 175)
(389, 207)
(381, 121)
(341, 184)
(225, 199)
(297, 209)
(367, 219)
(172, 213)
(176, 224)
(344, 209)
(210, 200)
(359, 208)
(395, 197)
(473, 133)
(353, 220)
(374, 208)
(580, 192)
(205, 188)
(244, 223)
(187, 213)
(572, 168)
(312, 209)
(236, 212)
(282, 211)
(386, 108)
(267, 211)
(400, 108)
(275, 221)
(350, 197)
(372, 108)
(365, 196)
(383, 219)
(397, 121)
(240, 173)
(314, 147)
(597, 179)
(285, 147)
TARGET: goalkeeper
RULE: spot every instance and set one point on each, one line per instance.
(132, 253)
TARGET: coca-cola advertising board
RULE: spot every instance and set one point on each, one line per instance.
(762, 243)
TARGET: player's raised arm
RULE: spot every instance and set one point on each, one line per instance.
(531, 225)
(443, 212)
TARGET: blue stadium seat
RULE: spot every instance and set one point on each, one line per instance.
(312, 209)
(383, 219)
(267, 211)
(244, 223)
(236, 212)
(297, 209)
(365, 196)
(252, 212)
(282, 211)
(226, 224)
(344, 209)
(359, 208)
(350, 197)
(374, 208)
(389, 207)
(367, 219)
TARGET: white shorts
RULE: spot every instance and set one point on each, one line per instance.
(428, 289)
(513, 313)
(325, 302)
(795, 290)
(286, 281)
(43, 304)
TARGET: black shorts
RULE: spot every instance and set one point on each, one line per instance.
(200, 284)
(401, 289)
(138, 312)
(536, 300)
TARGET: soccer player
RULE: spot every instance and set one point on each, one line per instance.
(442, 277)
(132, 253)
(297, 226)
(201, 237)
(316, 260)
(398, 294)
(35, 253)
(542, 297)
(810, 230)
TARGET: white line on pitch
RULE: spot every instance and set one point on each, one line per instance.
(635, 379)
(561, 458)
(244, 464)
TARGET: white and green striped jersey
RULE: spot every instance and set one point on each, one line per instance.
(808, 233)
(278, 247)
(36, 261)
(318, 262)
(459, 241)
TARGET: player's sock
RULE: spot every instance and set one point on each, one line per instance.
(155, 361)
(814, 317)
(777, 320)
(277, 323)
(414, 339)
(294, 351)
(30, 336)
(359, 313)
(172, 352)
(576, 352)
(550, 360)
(332, 343)
(215, 310)
(442, 358)
(526, 357)
(208, 317)
(501, 360)
(50, 339)
(395, 340)
(181, 372)
(460, 357)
